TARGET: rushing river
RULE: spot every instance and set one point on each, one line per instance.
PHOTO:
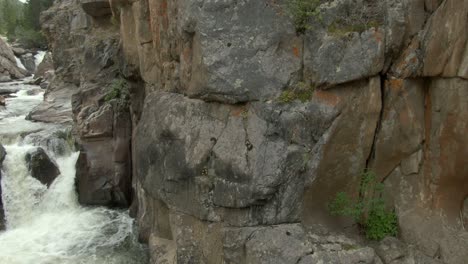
(47, 225)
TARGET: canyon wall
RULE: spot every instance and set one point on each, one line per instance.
(240, 127)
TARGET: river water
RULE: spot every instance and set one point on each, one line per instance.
(48, 225)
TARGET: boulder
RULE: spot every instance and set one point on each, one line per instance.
(41, 166)
(18, 51)
(29, 62)
(2, 101)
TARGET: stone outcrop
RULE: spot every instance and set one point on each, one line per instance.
(41, 166)
(83, 76)
(29, 62)
(8, 67)
(46, 65)
(236, 130)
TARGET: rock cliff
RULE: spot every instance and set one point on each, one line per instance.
(9, 69)
(230, 128)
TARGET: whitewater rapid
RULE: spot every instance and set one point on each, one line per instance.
(48, 225)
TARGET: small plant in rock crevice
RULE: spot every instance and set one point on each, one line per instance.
(301, 91)
(302, 11)
(118, 90)
(369, 210)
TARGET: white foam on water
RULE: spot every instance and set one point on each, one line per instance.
(19, 63)
(39, 57)
(48, 225)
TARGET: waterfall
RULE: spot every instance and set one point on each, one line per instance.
(19, 63)
(39, 57)
(48, 225)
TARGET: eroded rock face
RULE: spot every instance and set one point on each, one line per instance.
(2, 213)
(8, 68)
(238, 127)
(41, 166)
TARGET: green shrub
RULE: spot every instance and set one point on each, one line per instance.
(301, 92)
(369, 210)
(29, 38)
(118, 90)
(302, 11)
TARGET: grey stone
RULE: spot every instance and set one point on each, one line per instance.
(41, 166)
(246, 158)
(332, 60)
(28, 62)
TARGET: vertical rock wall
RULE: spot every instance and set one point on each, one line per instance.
(243, 130)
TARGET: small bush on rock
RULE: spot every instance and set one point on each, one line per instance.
(369, 210)
(118, 90)
(302, 92)
(302, 11)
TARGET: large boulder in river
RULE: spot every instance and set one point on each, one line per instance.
(8, 67)
(41, 166)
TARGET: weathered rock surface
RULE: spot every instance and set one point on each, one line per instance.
(2, 213)
(238, 127)
(96, 8)
(29, 62)
(41, 166)
(8, 68)
(47, 64)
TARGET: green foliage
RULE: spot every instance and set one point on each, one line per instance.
(301, 92)
(118, 90)
(20, 21)
(368, 210)
(30, 38)
(302, 11)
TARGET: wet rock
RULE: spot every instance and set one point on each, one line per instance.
(41, 166)
(2, 101)
(18, 51)
(28, 62)
(8, 91)
(45, 65)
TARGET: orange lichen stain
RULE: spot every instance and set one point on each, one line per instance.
(238, 110)
(395, 84)
(326, 97)
(296, 52)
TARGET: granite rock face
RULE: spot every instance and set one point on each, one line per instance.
(8, 67)
(83, 75)
(239, 128)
